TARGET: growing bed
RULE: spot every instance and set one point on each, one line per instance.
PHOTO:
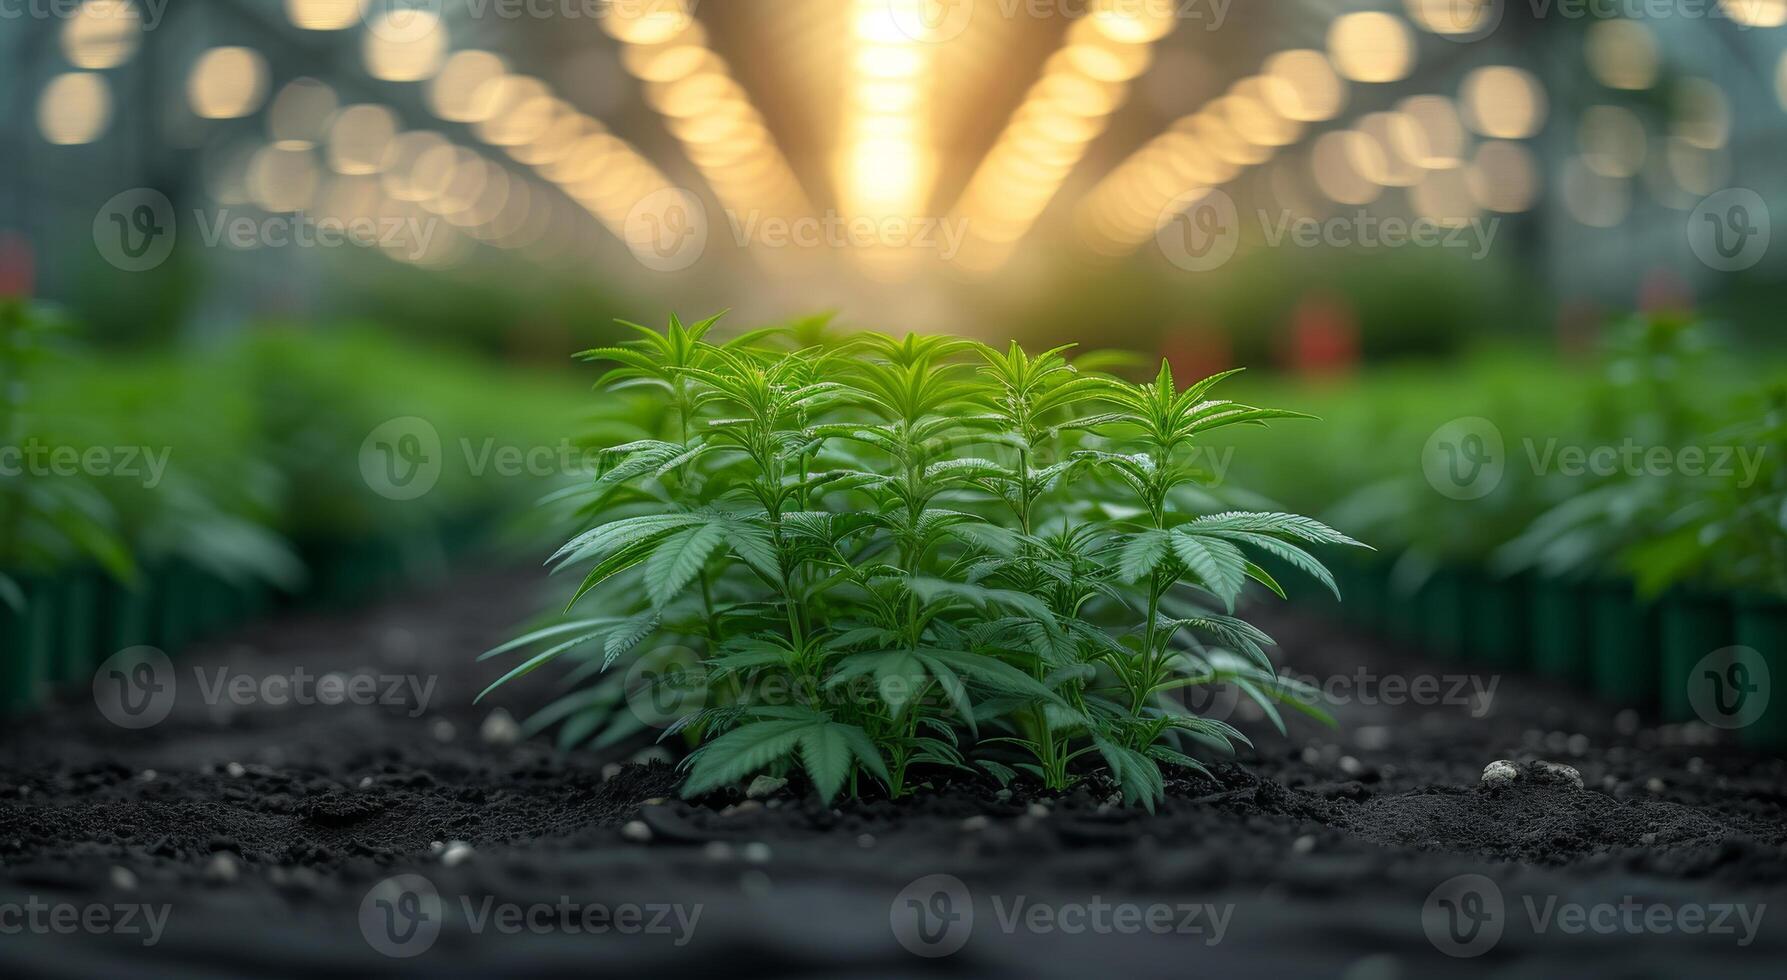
(1317, 853)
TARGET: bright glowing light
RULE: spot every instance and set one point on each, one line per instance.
(227, 83)
(324, 15)
(74, 108)
(405, 45)
(1502, 102)
(1371, 46)
(102, 34)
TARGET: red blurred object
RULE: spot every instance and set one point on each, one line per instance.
(1324, 338)
(18, 267)
(1196, 351)
(1662, 291)
(1578, 328)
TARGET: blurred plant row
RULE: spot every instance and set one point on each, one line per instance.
(148, 499)
(1622, 517)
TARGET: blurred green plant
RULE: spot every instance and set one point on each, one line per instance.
(905, 554)
(46, 521)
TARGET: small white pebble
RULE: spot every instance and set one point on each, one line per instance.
(500, 729)
(123, 879)
(235, 769)
(456, 853)
(611, 770)
(756, 852)
(1500, 773)
(1037, 810)
(1372, 738)
(1350, 765)
(1654, 785)
(636, 831)
(223, 867)
(764, 786)
(365, 782)
(1303, 844)
(436, 847)
(147, 775)
(443, 730)
(755, 884)
(865, 840)
(717, 850)
(978, 822)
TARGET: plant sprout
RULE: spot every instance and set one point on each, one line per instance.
(894, 557)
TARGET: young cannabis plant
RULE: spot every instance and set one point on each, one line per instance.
(869, 558)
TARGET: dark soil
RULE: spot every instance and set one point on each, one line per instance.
(262, 830)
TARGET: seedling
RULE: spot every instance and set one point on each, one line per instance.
(901, 556)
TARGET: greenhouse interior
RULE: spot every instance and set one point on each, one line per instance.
(886, 488)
